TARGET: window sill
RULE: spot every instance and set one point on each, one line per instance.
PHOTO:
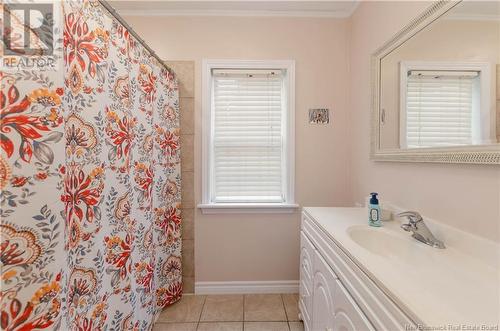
(248, 208)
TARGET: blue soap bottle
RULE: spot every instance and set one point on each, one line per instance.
(374, 211)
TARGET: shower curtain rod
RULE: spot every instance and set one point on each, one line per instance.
(120, 19)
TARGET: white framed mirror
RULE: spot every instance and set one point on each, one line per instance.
(436, 87)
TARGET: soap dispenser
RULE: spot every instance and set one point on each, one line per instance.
(374, 211)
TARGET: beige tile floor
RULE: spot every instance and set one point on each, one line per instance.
(249, 312)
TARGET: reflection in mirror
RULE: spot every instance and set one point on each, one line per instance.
(441, 87)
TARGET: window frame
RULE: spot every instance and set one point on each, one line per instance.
(485, 115)
(210, 207)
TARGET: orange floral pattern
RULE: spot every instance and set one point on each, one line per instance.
(18, 247)
(90, 184)
(17, 120)
(121, 187)
(31, 141)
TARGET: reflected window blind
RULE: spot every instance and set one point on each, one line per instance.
(439, 107)
(247, 162)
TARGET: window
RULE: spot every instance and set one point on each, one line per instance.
(248, 136)
(442, 106)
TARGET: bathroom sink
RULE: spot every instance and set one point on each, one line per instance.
(378, 240)
(391, 244)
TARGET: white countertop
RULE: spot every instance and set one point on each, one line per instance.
(441, 287)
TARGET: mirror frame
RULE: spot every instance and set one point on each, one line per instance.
(483, 154)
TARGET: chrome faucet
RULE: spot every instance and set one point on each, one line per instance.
(420, 231)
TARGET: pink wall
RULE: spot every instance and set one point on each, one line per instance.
(464, 196)
(254, 246)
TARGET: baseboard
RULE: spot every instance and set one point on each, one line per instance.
(244, 287)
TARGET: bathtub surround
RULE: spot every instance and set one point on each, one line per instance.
(184, 72)
(90, 178)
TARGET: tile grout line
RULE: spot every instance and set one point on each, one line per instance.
(243, 326)
(284, 306)
(201, 313)
(286, 314)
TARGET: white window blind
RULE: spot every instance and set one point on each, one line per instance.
(248, 148)
(439, 108)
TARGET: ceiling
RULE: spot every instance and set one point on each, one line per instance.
(475, 10)
(326, 8)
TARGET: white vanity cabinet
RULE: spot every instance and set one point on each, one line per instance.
(335, 294)
(306, 279)
(324, 283)
(347, 314)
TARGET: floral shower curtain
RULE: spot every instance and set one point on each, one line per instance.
(90, 179)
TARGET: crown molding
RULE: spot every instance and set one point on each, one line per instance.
(236, 13)
(242, 13)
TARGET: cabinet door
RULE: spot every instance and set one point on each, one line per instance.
(306, 260)
(348, 316)
(306, 281)
(323, 295)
